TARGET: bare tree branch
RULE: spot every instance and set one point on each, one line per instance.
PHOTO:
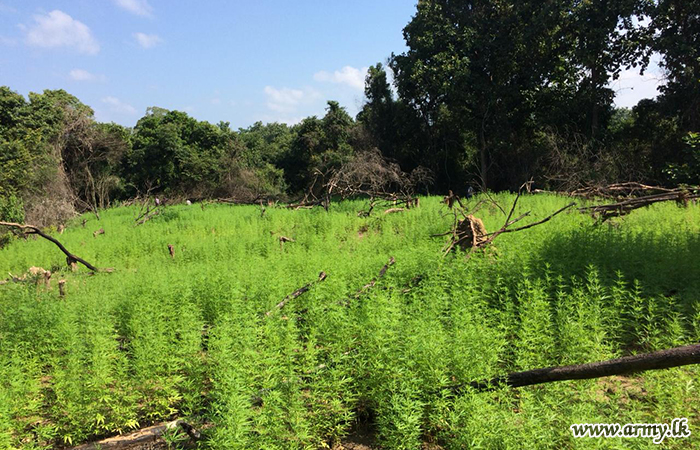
(31, 229)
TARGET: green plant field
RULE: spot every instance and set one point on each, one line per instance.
(187, 336)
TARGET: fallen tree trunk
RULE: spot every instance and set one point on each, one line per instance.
(31, 229)
(662, 359)
(142, 437)
(297, 293)
(605, 212)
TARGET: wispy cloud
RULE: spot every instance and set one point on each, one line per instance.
(8, 42)
(138, 7)
(147, 40)
(7, 8)
(286, 100)
(84, 75)
(117, 106)
(348, 75)
(58, 29)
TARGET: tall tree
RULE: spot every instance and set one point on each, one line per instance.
(473, 70)
(677, 27)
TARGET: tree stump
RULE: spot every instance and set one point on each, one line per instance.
(470, 233)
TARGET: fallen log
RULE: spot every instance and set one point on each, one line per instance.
(31, 229)
(605, 212)
(662, 359)
(297, 293)
(617, 190)
(142, 437)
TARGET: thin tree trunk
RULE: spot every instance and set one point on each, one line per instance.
(482, 157)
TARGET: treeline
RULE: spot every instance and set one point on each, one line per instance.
(488, 95)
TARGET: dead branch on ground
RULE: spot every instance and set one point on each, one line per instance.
(284, 239)
(143, 437)
(31, 229)
(297, 293)
(662, 359)
(374, 280)
(619, 190)
(621, 208)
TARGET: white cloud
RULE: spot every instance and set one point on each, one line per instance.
(351, 76)
(216, 101)
(117, 106)
(631, 87)
(147, 40)
(286, 100)
(58, 29)
(84, 75)
(138, 7)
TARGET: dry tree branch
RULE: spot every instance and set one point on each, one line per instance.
(297, 293)
(662, 359)
(371, 284)
(31, 229)
(605, 212)
(143, 438)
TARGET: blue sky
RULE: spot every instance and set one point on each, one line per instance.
(230, 60)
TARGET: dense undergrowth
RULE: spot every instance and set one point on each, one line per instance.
(187, 336)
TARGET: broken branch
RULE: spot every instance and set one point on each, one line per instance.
(371, 284)
(31, 229)
(142, 437)
(297, 293)
(662, 359)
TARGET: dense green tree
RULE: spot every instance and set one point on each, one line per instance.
(177, 154)
(473, 71)
(677, 27)
(605, 38)
(318, 147)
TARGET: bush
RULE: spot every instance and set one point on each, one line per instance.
(11, 210)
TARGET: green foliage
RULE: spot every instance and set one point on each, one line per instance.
(188, 336)
(11, 210)
(318, 147)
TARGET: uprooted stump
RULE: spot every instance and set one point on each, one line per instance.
(470, 233)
